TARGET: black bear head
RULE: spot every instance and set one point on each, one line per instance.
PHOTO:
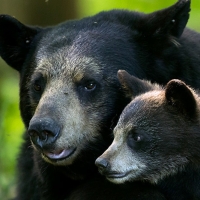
(70, 97)
(157, 135)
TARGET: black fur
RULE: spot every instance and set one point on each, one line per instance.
(102, 189)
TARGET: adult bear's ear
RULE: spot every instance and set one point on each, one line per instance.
(180, 96)
(15, 40)
(134, 86)
(170, 21)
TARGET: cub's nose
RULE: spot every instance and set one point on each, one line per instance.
(43, 131)
(102, 164)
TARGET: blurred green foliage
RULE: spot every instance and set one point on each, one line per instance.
(11, 126)
(90, 7)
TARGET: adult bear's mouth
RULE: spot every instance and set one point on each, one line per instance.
(61, 154)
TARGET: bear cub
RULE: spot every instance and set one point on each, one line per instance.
(157, 138)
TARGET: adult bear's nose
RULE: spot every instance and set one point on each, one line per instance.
(43, 131)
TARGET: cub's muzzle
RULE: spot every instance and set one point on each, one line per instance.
(102, 164)
(105, 169)
(43, 132)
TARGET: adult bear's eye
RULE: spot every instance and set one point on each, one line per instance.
(37, 83)
(90, 86)
(37, 87)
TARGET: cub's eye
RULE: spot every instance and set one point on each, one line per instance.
(90, 86)
(37, 87)
(137, 138)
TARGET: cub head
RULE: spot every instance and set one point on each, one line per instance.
(157, 134)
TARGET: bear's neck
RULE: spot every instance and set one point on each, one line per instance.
(184, 185)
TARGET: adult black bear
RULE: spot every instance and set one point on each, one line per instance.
(70, 98)
(157, 139)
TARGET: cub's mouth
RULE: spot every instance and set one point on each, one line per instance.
(115, 175)
(59, 157)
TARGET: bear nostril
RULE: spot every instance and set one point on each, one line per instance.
(33, 133)
(44, 135)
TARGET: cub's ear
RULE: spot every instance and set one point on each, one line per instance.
(170, 21)
(180, 96)
(15, 40)
(134, 86)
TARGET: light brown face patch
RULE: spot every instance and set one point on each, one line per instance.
(60, 100)
(122, 160)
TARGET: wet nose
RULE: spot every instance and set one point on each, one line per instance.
(102, 164)
(43, 132)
